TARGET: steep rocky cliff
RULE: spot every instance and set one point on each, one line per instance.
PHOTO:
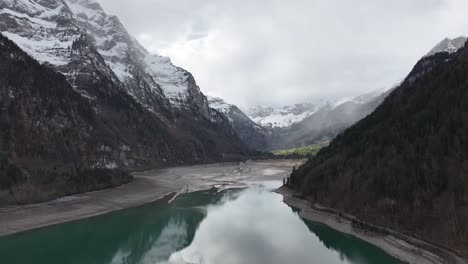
(159, 113)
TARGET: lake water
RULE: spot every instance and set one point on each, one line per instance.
(251, 226)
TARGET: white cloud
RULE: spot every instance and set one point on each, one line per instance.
(281, 52)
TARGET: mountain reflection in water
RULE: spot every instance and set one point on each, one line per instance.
(210, 227)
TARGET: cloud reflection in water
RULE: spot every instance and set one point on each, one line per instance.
(254, 227)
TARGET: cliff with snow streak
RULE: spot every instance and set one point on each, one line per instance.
(154, 109)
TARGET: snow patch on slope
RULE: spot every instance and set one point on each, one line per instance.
(289, 115)
(44, 50)
(281, 120)
(231, 111)
(38, 21)
(35, 30)
(84, 9)
(281, 117)
(222, 106)
(47, 29)
(122, 53)
(219, 104)
(172, 79)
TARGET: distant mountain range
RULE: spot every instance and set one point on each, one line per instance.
(324, 124)
(306, 124)
(285, 116)
(298, 125)
(272, 117)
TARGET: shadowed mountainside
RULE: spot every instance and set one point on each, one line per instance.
(52, 138)
(405, 165)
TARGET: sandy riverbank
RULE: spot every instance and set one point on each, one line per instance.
(406, 250)
(147, 187)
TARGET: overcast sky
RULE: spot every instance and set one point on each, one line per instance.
(278, 52)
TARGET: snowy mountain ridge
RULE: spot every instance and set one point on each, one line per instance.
(286, 116)
(448, 45)
(152, 107)
(282, 116)
(47, 29)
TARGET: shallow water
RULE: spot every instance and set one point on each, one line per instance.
(228, 227)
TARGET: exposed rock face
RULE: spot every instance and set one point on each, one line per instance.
(154, 110)
(46, 30)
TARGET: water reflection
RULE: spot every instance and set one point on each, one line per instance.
(255, 227)
(248, 226)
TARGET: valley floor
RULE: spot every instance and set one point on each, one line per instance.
(403, 247)
(147, 186)
(152, 185)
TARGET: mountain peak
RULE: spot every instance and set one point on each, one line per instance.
(249, 131)
(220, 105)
(448, 45)
(125, 86)
(47, 29)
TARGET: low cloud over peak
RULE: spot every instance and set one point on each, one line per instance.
(280, 52)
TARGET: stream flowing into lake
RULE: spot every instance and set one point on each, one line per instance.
(249, 226)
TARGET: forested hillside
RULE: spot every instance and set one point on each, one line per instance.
(47, 133)
(405, 166)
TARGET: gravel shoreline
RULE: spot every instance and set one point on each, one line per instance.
(407, 250)
(147, 187)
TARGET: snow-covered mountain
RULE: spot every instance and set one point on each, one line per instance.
(286, 116)
(272, 117)
(325, 123)
(111, 70)
(296, 125)
(46, 29)
(333, 118)
(250, 132)
(448, 45)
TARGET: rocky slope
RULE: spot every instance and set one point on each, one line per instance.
(251, 133)
(404, 166)
(52, 141)
(106, 66)
(92, 98)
